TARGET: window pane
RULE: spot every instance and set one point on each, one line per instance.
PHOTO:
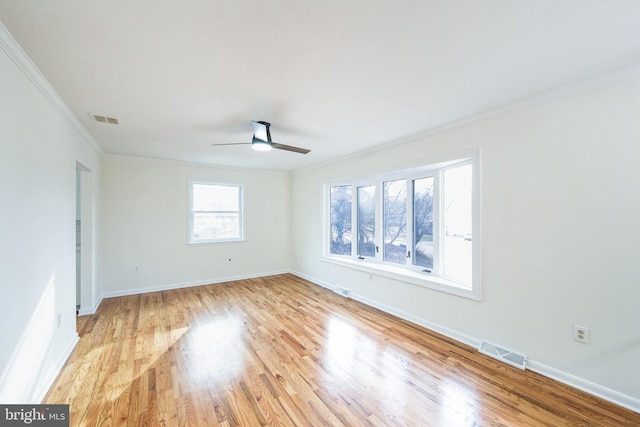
(394, 213)
(457, 223)
(213, 197)
(423, 222)
(208, 226)
(340, 220)
(366, 220)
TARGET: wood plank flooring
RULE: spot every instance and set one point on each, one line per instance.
(280, 351)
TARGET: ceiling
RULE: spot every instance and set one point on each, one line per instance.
(336, 77)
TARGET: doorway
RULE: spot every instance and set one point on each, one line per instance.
(85, 283)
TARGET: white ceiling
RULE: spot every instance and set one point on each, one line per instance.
(337, 77)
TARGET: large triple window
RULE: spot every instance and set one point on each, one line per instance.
(419, 223)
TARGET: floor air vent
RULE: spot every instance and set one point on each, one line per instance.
(342, 291)
(504, 355)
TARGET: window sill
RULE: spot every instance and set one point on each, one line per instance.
(407, 276)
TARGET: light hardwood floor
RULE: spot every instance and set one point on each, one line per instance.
(281, 351)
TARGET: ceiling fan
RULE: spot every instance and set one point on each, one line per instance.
(261, 140)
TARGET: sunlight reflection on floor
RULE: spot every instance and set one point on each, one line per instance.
(361, 363)
(457, 404)
(217, 351)
(121, 380)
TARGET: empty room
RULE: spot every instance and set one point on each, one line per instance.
(410, 213)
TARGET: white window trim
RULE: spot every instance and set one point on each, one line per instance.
(354, 212)
(190, 240)
(408, 273)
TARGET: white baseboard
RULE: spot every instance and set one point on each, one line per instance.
(602, 392)
(91, 310)
(14, 389)
(171, 286)
(594, 389)
(436, 327)
(401, 314)
(47, 382)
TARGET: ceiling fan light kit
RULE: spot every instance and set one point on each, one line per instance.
(260, 145)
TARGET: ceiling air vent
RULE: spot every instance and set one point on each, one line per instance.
(104, 119)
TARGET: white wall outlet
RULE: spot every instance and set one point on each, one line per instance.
(581, 334)
(59, 319)
(136, 269)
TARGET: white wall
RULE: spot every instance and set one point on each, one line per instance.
(145, 209)
(39, 147)
(560, 211)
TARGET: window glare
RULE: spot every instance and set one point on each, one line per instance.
(394, 213)
(210, 226)
(207, 197)
(458, 223)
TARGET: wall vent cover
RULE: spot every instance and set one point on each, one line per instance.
(343, 291)
(500, 353)
(104, 119)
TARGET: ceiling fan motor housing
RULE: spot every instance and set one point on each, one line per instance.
(261, 131)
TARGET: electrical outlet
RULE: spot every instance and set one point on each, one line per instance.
(59, 319)
(136, 269)
(581, 334)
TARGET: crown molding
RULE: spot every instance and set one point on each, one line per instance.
(15, 52)
(195, 164)
(575, 88)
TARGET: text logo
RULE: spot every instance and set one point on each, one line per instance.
(36, 415)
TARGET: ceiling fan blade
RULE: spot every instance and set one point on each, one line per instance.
(232, 143)
(290, 148)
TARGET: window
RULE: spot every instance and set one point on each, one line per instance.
(366, 220)
(394, 214)
(419, 225)
(458, 224)
(340, 220)
(215, 212)
(423, 222)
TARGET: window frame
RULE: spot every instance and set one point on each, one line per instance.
(410, 272)
(329, 242)
(356, 216)
(191, 240)
(436, 175)
(383, 215)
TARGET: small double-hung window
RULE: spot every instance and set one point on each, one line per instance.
(420, 222)
(215, 212)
